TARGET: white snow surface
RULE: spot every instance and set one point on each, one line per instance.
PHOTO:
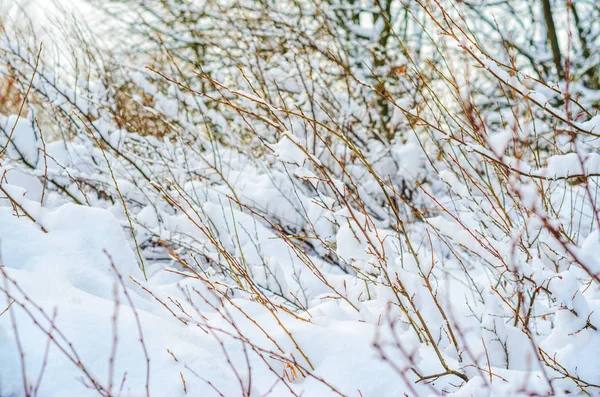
(69, 298)
(66, 300)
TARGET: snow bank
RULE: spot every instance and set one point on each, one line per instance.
(70, 313)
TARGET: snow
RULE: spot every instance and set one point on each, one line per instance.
(24, 140)
(573, 164)
(66, 272)
(283, 238)
(289, 150)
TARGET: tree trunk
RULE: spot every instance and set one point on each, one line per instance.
(552, 38)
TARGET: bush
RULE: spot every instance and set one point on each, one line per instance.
(416, 167)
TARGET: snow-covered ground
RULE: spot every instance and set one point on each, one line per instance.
(79, 315)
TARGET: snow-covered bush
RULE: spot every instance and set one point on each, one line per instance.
(320, 198)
